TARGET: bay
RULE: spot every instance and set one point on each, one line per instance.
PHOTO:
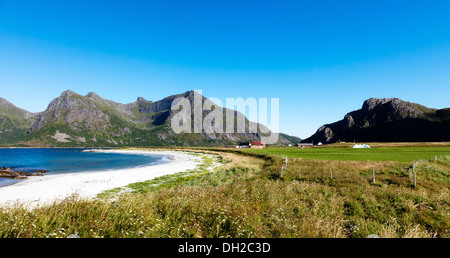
(65, 160)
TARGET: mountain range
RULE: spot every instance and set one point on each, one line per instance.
(387, 120)
(73, 120)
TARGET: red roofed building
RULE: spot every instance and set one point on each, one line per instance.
(258, 145)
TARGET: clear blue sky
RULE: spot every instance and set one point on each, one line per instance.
(321, 58)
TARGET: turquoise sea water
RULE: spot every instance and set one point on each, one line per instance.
(58, 160)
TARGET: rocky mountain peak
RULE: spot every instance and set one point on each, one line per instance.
(371, 103)
(4, 102)
(92, 95)
(386, 119)
(191, 94)
(68, 93)
(395, 108)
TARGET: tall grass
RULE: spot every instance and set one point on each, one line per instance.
(244, 199)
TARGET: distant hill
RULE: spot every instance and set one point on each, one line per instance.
(291, 139)
(73, 120)
(14, 122)
(387, 120)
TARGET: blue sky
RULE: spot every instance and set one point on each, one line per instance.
(322, 59)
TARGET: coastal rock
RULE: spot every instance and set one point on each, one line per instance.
(7, 172)
(387, 120)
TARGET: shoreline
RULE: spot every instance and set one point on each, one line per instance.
(38, 191)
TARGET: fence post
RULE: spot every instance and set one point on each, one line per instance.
(299, 172)
(373, 175)
(281, 173)
(414, 179)
(409, 173)
(331, 174)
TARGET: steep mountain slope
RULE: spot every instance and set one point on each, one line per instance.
(387, 120)
(13, 121)
(80, 120)
(13, 117)
(75, 120)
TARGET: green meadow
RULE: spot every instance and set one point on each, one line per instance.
(401, 154)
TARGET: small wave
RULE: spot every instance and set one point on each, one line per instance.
(163, 159)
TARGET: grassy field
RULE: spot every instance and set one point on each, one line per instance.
(346, 153)
(249, 197)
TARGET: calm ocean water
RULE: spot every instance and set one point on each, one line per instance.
(57, 160)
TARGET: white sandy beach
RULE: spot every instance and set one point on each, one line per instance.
(40, 190)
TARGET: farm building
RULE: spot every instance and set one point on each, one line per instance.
(258, 145)
(304, 145)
